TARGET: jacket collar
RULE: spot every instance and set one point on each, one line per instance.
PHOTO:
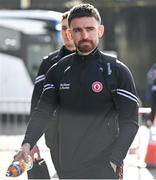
(64, 52)
(93, 55)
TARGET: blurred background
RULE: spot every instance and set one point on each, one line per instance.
(129, 31)
(30, 30)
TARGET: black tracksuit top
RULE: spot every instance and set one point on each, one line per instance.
(47, 62)
(92, 122)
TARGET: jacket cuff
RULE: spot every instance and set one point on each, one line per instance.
(116, 162)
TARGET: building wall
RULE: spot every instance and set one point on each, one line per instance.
(9, 4)
(136, 42)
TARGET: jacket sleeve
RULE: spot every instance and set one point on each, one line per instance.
(126, 103)
(44, 110)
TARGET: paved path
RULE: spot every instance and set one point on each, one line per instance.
(10, 144)
(8, 148)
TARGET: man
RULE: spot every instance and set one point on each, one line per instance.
(67, 48)
(150, 78)
(96, 124)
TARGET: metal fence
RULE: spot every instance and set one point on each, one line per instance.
(14, 115)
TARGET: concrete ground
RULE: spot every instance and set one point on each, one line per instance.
(10, 144)
(11, 137)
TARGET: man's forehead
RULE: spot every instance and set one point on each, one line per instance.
(64, 21)
(84, 22)
(64, 24)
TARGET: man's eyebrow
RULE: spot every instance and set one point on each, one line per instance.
(64, 26)
(87, 27)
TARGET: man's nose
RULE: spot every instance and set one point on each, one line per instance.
(84, 34)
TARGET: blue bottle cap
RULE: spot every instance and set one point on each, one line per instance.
(8, 173)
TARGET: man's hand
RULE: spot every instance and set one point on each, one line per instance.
(113, 166)
(23, 153)
(35, 153)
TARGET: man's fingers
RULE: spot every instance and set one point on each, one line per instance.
(20, 156)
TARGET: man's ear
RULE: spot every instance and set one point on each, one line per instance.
(69, 34)
(101, 30)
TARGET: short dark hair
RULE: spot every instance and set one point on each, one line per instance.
(84, 10)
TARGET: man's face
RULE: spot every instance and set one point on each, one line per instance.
(86, 32)
(68, 42)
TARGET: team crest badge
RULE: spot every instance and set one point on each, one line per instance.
(97, 86)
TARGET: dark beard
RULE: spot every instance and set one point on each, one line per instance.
(85, 48)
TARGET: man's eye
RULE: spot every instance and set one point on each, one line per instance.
(77, 30)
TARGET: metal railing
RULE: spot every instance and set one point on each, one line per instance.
(14, 115)
(15, 105)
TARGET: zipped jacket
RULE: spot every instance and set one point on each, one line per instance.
(47, 62)
(92, 121)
